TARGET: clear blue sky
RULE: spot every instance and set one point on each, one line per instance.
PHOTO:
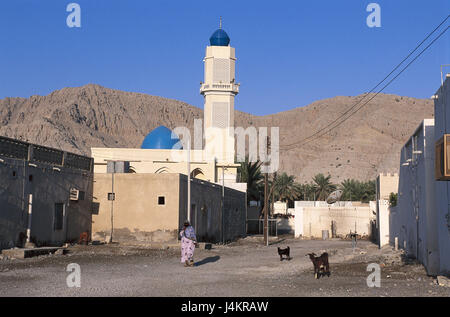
(290, 53)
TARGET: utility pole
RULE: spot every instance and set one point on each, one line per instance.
(112, 165)
(189, 181)
(112, 204)
(266, 202)
(223, 205)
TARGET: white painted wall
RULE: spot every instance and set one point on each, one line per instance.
(310, 221)
(383, 222)
(413, 221)
(442, 188)
(279, 207)
(298, 219)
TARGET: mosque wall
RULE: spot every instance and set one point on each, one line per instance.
(206, 210)
(145, 208)
(140, 216)
(155, 161)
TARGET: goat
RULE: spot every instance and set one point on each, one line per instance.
(321, 265)
(282, 252)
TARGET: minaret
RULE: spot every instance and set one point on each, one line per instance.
(219, 89)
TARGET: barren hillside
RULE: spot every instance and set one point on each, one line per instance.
(75, 119)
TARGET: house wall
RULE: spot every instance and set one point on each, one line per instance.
(383, 223)
(47, 186)
(387, 183)
(413, 221)
(139, 218)
(207, 215)
(310, 221)
(442, 188)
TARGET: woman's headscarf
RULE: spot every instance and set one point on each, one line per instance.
(189, 231)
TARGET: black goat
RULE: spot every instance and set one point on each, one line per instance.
(321, 265)
(282, 252)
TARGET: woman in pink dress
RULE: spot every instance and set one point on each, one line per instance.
(188, 242)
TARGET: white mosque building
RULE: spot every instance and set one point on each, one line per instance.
(150, 200)
(161, 150)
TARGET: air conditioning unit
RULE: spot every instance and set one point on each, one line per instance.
(74, 194)
(442, 158)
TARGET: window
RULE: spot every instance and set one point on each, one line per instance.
(59, 216)
(161, 200)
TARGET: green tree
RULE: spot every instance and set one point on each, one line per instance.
(354, 190)
(285, 188)
(393, 198)
(349, 189)
(322, 186)
(250, 173)
(306, 191)
(369, 191)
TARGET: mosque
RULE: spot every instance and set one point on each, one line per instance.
(151, 182)
(161, 150)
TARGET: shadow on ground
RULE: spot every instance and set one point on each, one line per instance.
(208, 260)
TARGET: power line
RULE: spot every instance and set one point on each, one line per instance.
(328, 129)
(339, 123)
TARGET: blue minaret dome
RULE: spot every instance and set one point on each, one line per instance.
(219, 38)
(161, 138)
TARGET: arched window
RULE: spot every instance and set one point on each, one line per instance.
(131, 169)
(198, 173)
(161, 170)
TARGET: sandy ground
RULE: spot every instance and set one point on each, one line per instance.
(243, 268)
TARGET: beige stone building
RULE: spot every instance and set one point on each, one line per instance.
(387, 183)
(152, 207)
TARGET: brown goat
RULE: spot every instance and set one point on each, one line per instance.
(321, 265)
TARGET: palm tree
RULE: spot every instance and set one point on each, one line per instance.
(369, 188)
(358, 191)
(250, 173)
(322, 186)
(285, 188)
(349, 189)
(306, 191)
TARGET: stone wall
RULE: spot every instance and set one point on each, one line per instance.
(310, 221)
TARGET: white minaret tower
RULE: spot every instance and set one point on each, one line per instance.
(219, 89)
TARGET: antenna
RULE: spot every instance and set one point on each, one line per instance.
(220, 22)
(334, 196)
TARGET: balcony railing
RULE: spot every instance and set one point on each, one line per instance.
(234, 88)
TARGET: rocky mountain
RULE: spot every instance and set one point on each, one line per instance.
(76, 119)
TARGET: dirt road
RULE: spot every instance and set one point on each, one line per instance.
(244, 268)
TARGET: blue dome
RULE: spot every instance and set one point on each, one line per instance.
(161, 138)
(219, 38)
